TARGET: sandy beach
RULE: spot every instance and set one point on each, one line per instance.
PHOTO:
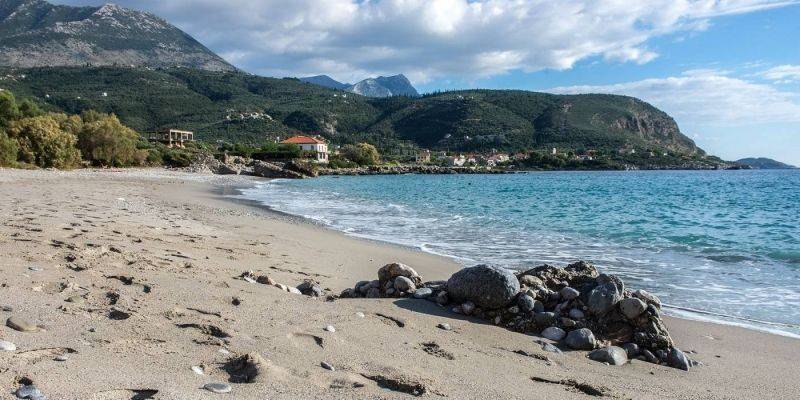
(130, 279)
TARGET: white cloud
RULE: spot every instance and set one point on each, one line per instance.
(782, 73)
(434, 38)
(708, 98)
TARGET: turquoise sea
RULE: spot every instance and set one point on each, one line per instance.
(715, 245)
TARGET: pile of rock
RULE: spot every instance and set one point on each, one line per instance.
(576, 306)
(235, 165)
(309, 287)
(394, 280)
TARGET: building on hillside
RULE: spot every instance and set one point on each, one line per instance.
(456, 161)
(311, 144)
(423, 156)
(172, 137)
(495, 159)
(626, 150)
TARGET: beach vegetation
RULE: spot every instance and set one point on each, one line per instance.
(8, 150)
(361, 154)
(104, 141)
(42, 142)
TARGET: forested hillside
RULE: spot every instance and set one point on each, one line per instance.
(239, 107)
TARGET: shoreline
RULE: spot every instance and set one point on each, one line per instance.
(173, 235)
(673, 311)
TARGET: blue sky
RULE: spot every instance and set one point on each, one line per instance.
(727, 70)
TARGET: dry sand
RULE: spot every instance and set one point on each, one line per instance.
(164, 249)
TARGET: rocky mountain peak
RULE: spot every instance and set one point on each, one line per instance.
(35, 33)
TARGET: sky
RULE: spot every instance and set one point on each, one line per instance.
(728, 71)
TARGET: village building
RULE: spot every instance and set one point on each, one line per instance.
(496, 159)
(172, 137)
(456, 161)
(423, 156)
(312, 145)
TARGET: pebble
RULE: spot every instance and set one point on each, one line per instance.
(554, 333)
(61, 358)
(293, 290)
(612, 355)
(569, 293)
(7, 346)
(218, 387)
(223, 350)
(35, 269)
(632, 307)
(29, 392)
(360, 314)
(198, 370)
(581, 339)
(467, 308)
(21, 325)
(330, 328)
(249, 279)
(550, 348)
(327, 366)
(423, 293)
(576, 314)
(444, 326)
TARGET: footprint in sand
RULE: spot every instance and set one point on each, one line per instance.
(125, 394)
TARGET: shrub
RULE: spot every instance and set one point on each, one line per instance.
(105, 141)
(177, 158)
(8, 150)
(361, 154)
(44, 143)
(8, 108)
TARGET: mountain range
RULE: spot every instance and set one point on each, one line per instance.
(382, 86)
(35, 33)
(153, 75)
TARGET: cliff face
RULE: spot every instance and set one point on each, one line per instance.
(35, 33)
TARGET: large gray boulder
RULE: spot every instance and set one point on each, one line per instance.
(487, 286)
(606, 294)
(677, 359)
(390, 272)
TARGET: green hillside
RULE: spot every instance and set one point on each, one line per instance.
(238, 107)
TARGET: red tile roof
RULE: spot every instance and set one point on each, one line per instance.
(302, 140)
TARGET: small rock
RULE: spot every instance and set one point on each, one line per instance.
(569, 293)
(360, 314)
(293, 290)
(265, 280)
(423, 293)
(581, 339)
(526, 303)
(330, 328)
(198, 370)
(677, 359)
(442, 298)
(632, 307)
(467, 308)
(576, 314)
(21, 325)
(391, 271)
(550, 348)
(29, 392)
(613, 355)
(248, 279)
(544, 318)
(7, 346)
(444, 326)
(554, 333)
(61, 358)
(649, 356)
(606, 294)
(404, 284)
(218, 387)
(632, 349)
(35, 269)
(327, 366)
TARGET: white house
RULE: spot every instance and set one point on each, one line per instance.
(311, 144)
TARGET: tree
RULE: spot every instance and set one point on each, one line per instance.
(103, 140)
(8, 150)
(361, 154)
(44, 143)
(9, 111)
